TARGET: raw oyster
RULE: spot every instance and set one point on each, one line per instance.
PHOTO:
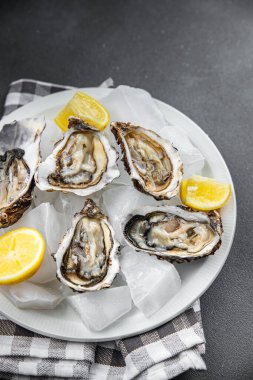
(152, 162)
(174, 233)
(87, 256)
(82, 162)
(19, 158)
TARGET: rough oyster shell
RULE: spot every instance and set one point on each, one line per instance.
(87, 257)
(174, 233)
(83, 162)
(19, 158)
(153, 163)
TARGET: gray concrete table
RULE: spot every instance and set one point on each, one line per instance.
(195, 55)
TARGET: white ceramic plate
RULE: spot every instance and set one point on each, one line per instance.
(196, 277)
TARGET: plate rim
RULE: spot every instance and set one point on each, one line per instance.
(105, 91)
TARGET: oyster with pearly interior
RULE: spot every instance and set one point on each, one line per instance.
(82, 162)
(174, 233)
(19, 158)
(152, 162)
(87, 258)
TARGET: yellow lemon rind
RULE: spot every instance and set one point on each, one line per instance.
(32, 268)
(204, 204)
(89, 103)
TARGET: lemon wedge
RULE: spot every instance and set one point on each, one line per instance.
(86, 108)
(21, 254)
(203, 193)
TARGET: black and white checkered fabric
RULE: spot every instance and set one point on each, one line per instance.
(162, 353)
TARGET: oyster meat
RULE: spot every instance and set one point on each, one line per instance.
(82, 162)
(153, 163)
(19, 158)
(174, 233)
(87, 258)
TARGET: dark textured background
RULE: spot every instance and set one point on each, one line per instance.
(196, 55)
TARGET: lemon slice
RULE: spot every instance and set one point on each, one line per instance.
(203, 193)
(21, 253)
(86, 108)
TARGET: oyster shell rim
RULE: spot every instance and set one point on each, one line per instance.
(214, 220)
(11, 213)
(112, 172)
(89, 209)
(126, 158)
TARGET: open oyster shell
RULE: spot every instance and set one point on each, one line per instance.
(153, 163)
(19, 158)
(87, 258)
(174, 233)
(83, 162)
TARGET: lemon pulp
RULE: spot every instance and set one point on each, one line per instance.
(21, 254)
(203, 193)
(86, 108)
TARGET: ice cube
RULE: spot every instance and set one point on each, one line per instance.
(69, 204)
(119, 281)
(30, 296)
(192, 158)
(119, 201)
(129, 104)
(100, 309)
(50, 224)
(107, 83)
(152, 282)
(124, 178)
(50, 136)
(40, 196)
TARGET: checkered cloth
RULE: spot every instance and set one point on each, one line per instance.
(162, 353)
